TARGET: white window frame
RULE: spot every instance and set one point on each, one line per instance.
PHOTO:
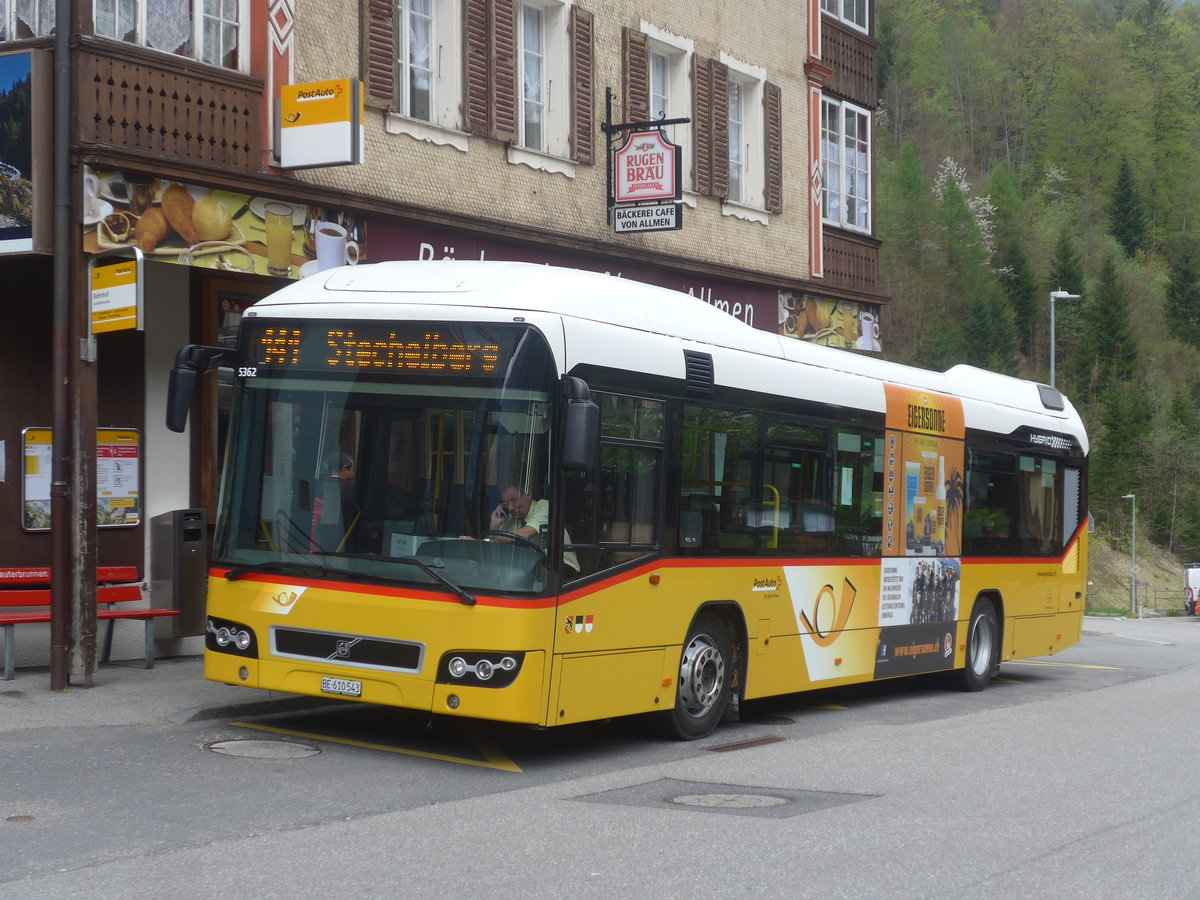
(197, 19)
(405, 66)
(846, 171)
(43, 18)
(676, 53)
(854, 13)
(553, 151)
(751, 201)
(444, 127)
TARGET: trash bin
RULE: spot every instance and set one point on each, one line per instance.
(179, 570)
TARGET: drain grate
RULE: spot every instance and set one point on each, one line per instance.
(733, 799)
(743, 745)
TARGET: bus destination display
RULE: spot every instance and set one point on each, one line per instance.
(431, 349)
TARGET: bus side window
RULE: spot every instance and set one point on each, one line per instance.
(991, 490)
(719, 481)
(1040, 482)
(797, 519)
(858, 493)
(611, 512)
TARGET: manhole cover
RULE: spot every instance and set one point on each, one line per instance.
(729, 801)
(250, 748)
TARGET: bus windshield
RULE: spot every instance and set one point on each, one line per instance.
(391, 473)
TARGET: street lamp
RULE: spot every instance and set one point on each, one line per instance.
(1133, 571)
(1060, 294)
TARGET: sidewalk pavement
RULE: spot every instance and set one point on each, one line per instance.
(175, 690)
(123, 693)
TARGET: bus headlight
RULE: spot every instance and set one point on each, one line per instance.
(224, 636)
(495, 670)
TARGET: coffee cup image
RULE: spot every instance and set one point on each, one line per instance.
(334, 247)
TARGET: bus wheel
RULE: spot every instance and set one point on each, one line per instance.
(983, 647)
(704, 680)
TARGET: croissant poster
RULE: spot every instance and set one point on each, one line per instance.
(212, 228)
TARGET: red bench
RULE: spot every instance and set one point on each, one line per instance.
(29, 589)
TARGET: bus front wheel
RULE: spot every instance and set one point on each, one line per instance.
(983, 647)
(705, 672)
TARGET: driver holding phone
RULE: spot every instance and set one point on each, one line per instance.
(519, 514)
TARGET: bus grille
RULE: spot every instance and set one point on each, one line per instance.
(347, 649)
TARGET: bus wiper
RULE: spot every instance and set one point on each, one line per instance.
(277, 565)
(466, 598)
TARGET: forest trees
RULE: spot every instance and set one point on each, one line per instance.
(1081, 122)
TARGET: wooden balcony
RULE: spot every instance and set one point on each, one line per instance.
(167, 107)
(852, 57)
(852, 262)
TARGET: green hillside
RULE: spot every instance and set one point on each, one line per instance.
(1031, 145)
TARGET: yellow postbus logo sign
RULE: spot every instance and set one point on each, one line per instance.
(320, 123)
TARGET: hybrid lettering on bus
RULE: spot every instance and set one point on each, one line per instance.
(572, 497)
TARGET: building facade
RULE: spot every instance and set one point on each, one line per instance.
(487, 128)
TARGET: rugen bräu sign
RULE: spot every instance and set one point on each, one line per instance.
(646, 168)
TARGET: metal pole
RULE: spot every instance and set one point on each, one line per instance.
(61, 605)
(1052, 295)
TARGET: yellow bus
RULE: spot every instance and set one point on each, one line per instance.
(546, 496)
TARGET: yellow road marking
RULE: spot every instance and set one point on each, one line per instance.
(492, 757)
(1058, 665)
(1006, 681)
(826, 706)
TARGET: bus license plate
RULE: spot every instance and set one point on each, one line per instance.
(343, 686)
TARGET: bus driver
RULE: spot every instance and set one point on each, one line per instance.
(519, 514)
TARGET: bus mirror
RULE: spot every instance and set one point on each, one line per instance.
(581, 426)
(582, 433)
(192, 360)
(180, 387)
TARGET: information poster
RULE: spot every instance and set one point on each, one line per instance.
(118, 478)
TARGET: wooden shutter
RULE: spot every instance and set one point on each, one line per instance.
(720, 129)
(635, 60)
(379, 51)
(475, 67)
(582, 100)
(710, 114)
(702, 123)
(506, 94)
(773, 112)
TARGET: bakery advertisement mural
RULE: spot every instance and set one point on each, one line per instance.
(831, 323)
(171, 221)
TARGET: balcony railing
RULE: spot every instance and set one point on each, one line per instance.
(132, 99)
(851, 262)
(851, 55)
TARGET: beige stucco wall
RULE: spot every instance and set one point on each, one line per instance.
(482, 182)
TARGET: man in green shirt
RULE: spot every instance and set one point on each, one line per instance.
(519, 514)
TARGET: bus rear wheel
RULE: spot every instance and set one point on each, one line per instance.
(983, 647)
(702, 692)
